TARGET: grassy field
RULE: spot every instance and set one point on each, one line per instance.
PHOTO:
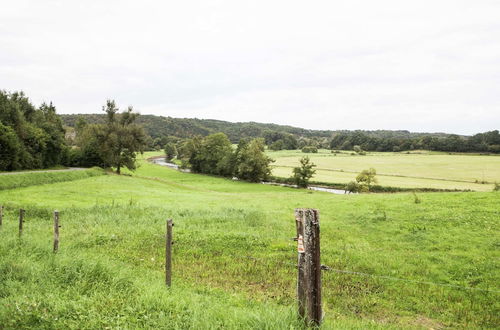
(19, 179)
(234, 257)
(415, 170)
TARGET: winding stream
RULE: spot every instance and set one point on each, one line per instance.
(162, 161)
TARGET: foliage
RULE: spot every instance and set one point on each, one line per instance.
(114, 143)
(277, 145)
(310, 149)
(292, 137)
(170, 151)
(214, 154)
(30, 137)
(252, 164)
(303, 173)
(496, 187)
(359, 150)
(402, 140)
(353, 187)
(279, 140)
(366, 178)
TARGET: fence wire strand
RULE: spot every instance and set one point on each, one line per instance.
(349, 272)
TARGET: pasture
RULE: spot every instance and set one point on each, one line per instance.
(419, 169)
(402, 264)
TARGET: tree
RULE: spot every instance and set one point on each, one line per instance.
(34, 136)
(302, 174)
(170, 151)
(9, 149)
(215, 154)
(120, 138)
(366, 178)
(252, 164)
(277, 145)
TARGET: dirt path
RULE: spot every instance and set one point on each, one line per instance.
(43, 171)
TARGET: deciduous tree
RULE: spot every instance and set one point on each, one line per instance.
(303, 173)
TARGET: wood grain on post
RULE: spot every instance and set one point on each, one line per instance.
(21, 220)
(168, 253)
(301, 292)
(309, 268)
(56, 231)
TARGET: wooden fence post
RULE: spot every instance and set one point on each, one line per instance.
(21, 220)
(56, 231)
(1, 215)
(168, 253)
(309, 265)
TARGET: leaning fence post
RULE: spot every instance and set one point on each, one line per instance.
(21, 220)
(309, 265)
(168, 253)
(56, 231)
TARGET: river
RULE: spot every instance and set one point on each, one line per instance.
(163, 162)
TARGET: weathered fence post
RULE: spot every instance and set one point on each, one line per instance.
(309, 265)
(1, 215)
(21, 220)
(168, 253)
(56, 231)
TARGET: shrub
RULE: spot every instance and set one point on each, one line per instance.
(353, 187)
(310, 149)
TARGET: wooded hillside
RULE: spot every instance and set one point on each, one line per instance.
(159, 127)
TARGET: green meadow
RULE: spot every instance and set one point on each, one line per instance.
(418, 169)
(421, 261)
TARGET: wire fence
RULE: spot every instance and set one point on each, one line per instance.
(350, 272)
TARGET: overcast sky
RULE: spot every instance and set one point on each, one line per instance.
(416, 65)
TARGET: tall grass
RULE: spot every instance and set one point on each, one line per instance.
(234, 260)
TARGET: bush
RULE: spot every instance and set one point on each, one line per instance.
(353, 187)
(359, 150)
(496, 187)
(310, 149)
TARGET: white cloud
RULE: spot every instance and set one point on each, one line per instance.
(421, 66)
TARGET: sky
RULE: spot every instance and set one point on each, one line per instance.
(422, 66)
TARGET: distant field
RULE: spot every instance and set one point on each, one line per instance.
(416, 170)
(234, 260)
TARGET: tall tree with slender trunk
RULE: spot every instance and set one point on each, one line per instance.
(120, 139)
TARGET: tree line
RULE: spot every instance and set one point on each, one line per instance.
(214, 154)
(30, 137)
(161, 129)
(482, 142)
(34, 137)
